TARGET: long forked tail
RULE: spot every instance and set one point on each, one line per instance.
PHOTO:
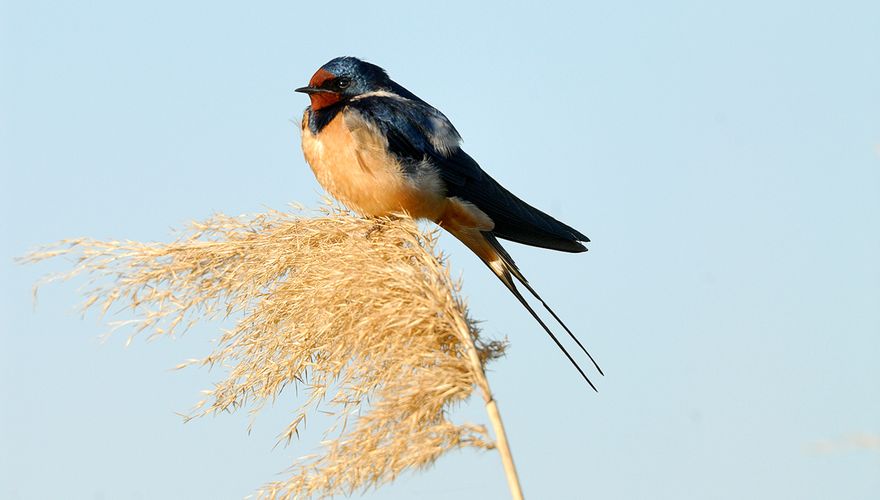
(505, 268)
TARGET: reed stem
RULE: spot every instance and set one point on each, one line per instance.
(495, 417)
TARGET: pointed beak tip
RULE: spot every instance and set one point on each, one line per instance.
(313, 90)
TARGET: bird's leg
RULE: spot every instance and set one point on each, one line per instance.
(379, 223)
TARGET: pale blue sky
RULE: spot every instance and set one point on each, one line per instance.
(724, 159)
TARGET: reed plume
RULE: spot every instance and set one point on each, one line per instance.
(360, 315)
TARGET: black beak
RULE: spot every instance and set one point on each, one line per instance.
(312, 90)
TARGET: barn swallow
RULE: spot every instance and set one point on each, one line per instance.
(381, 150)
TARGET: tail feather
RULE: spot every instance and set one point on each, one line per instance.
(570, 334)
(505, 268)
(513, 269)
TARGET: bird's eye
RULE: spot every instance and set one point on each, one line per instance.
(343, 82)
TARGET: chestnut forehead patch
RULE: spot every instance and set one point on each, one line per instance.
(320, 76)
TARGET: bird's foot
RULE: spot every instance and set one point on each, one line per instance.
(379, 224)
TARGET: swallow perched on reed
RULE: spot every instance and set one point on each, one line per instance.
(379, 149)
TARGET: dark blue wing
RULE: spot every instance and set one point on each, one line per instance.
(416, 132)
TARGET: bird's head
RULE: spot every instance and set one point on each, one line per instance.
(343, 78)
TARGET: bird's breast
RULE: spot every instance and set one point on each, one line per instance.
(349, 156)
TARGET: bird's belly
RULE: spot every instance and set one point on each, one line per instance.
(356, 169)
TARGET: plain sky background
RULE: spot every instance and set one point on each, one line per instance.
(724, 157)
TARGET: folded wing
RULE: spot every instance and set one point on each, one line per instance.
(417, 132)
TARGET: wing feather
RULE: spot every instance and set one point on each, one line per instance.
(416, 132)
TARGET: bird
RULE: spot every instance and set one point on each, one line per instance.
(380, 150)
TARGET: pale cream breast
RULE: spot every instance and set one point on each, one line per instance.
(350, 160)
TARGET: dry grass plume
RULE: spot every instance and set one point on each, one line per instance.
(361, 315)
